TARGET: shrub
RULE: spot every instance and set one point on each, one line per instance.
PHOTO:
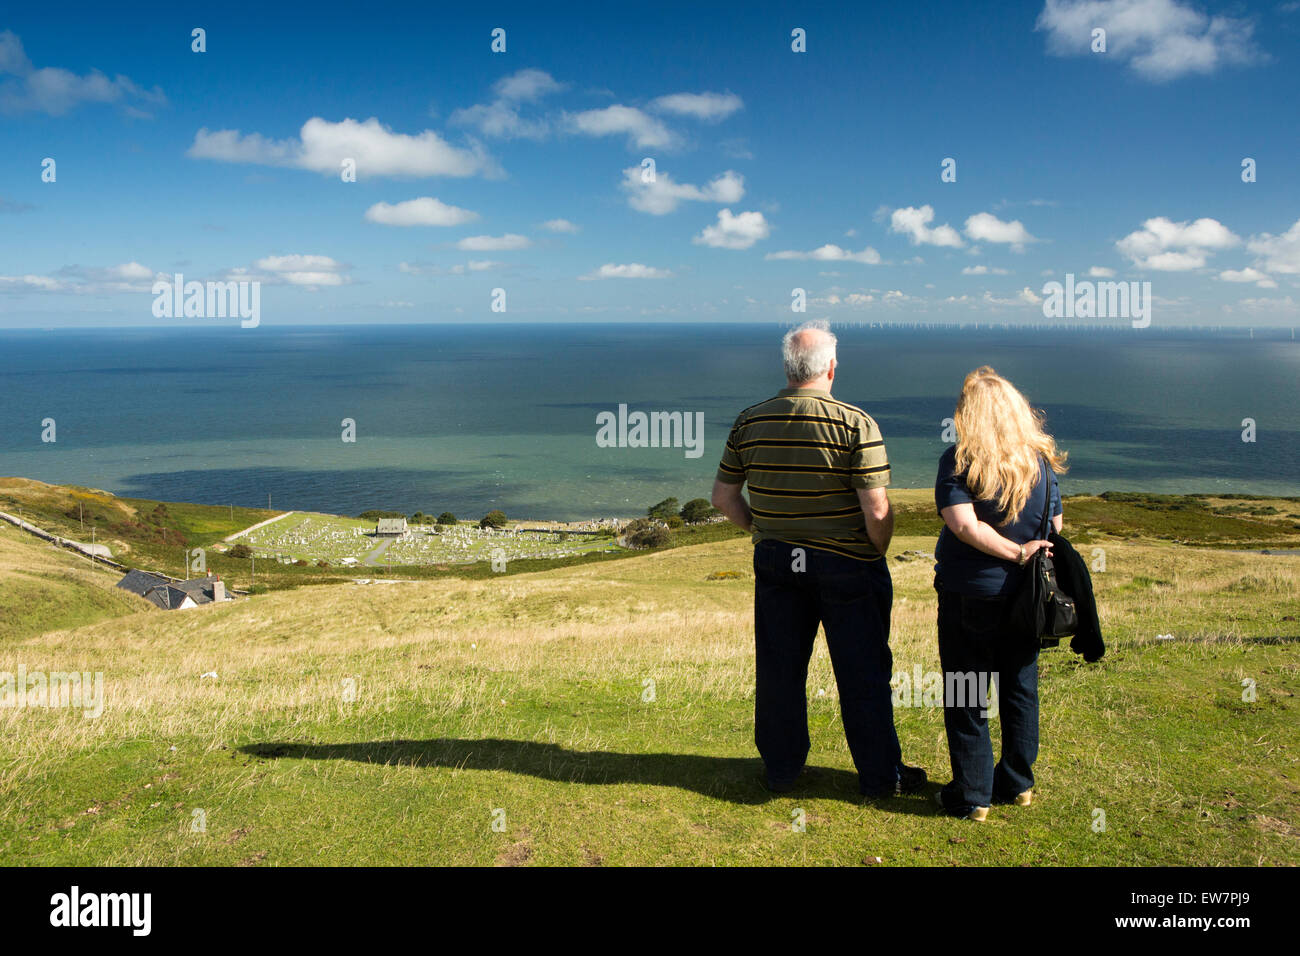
(446, 518)
(493, 519)
(240, 551)
(663, 510)
(644, 533)
(696, 510)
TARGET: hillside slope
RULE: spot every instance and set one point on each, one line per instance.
(44, 588)
(603, 713)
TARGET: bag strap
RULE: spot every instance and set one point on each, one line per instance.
(1047, 500)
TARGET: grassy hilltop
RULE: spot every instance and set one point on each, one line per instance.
(394, 723)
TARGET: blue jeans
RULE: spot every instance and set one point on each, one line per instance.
(973, 644)
(852, 599)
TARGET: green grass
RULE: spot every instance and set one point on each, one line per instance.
(525, 694)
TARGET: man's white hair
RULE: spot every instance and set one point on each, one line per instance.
(807, 357)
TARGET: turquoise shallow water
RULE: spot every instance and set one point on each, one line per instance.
(461, 418)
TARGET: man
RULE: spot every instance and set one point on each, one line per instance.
(821, 520)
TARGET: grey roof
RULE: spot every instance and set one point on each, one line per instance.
(138, 582)
(166, 594)
(389, 525)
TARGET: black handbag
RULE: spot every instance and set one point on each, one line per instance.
(1041, 613)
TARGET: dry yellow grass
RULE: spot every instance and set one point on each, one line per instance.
(559, 660)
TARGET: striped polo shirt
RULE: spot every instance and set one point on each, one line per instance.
(803, 453)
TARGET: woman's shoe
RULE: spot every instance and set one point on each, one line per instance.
(1022, 799)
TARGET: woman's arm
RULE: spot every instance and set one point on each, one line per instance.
(966, 525)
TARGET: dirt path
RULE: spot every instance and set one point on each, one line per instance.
(371, 558)
(261, 524)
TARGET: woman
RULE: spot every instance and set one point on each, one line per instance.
(992, 489)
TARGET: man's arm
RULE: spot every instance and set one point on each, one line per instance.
(879, 515)
(728, 499)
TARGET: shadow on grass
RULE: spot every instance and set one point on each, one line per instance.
(734, 779)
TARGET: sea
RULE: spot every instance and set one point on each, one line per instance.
(468, 418)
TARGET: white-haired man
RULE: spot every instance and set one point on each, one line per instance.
(817, 472)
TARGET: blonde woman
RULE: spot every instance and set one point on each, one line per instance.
(992, 489)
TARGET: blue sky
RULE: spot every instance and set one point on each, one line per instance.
(774, 169)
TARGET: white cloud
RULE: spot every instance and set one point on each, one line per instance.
(1101, 272)
(663, 195)
(494, 243)
(425, 211)
(426, 269)
(831, 253)
(1160, 40)
(559, 225)
(1028, 296)
(322, 146)
(986, 227)
(734, 232)
(984, 271)
(915, 223)
(1266, 307)
(526, 85)
(857, 299)
(55, 91)
(131, 270)
(1278, 253)
(703, 106)
(501, 118)
(32, 283)
(303, 270)
(84, 280)
(1169, 246)
(643, 130)
(633, 270)
(1248, 275)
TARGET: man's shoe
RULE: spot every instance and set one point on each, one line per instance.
(778, 786)
(910, 780)
(977, 814)
(805, 776)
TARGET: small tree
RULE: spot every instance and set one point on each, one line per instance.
(446, 518)
(644, 533)
(240, 551)
(493, 519)
(696, 510)
(663, 510)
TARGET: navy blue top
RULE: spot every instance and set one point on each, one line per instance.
(967, 570)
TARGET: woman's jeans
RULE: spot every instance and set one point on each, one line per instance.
(975, 652)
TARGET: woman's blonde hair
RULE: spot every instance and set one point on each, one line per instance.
(1000, 441)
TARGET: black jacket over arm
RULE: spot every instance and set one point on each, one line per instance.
(1073, 577)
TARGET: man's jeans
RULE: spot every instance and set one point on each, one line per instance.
(973, 641)
(852, 600)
